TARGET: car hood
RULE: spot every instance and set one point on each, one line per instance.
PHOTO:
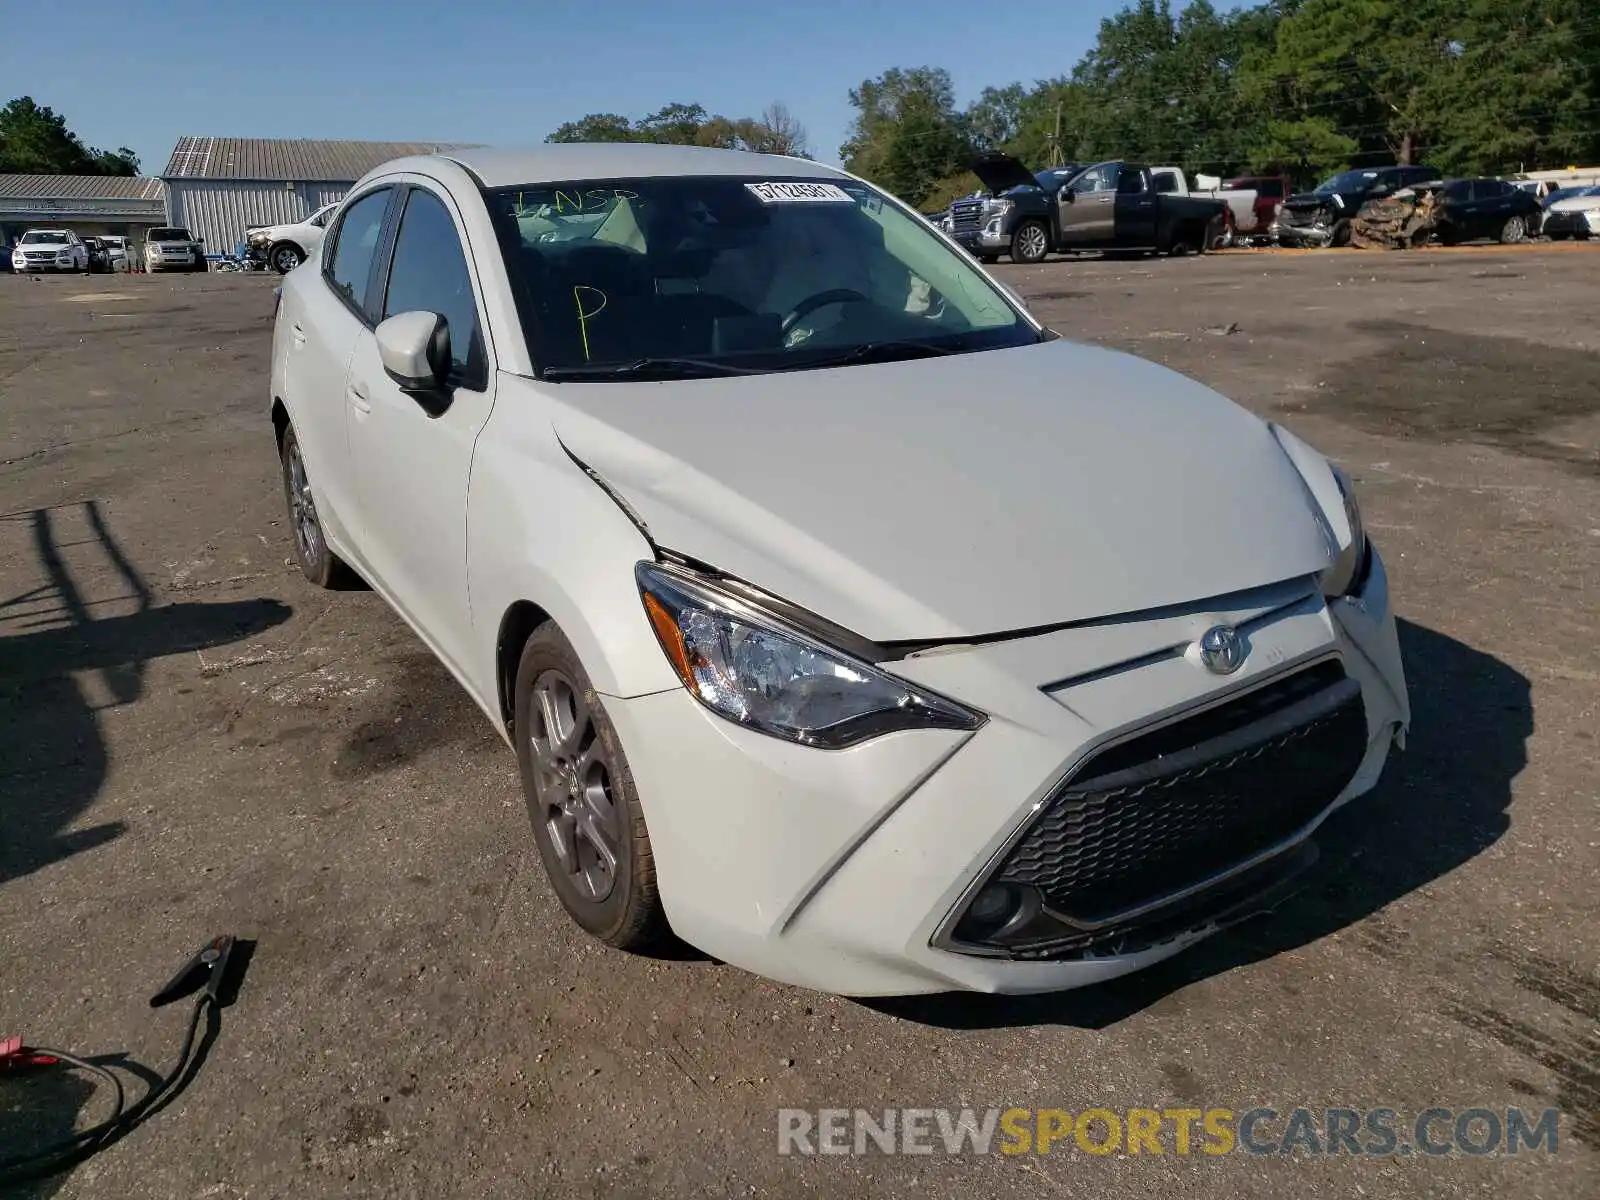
(1000, 172)
(954, 497)
(1575, 204)
(1309, 201)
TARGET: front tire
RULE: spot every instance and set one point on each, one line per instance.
(318, 563)
(1514, 230)
(285, 257)
(988, 260)
(587, 819)
(1341, 234)
(1030, 243)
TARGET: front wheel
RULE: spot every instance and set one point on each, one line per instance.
(988, 260)
(1341, 234)
(587, 819)
(1030, 243)
(285, 257)
(1514, 230)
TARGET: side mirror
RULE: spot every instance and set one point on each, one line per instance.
(1069, 196)
(414, 348)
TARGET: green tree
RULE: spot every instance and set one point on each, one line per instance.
(596, 127)
(775, 131)
(35, 140)
(907, 134)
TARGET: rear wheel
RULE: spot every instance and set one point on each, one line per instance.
(1514, 230)
(587, 819)
(1030, 243)
(317, 562)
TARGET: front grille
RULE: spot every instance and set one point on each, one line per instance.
(966, 216)
(1170, 809)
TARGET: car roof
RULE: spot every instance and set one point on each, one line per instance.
(557, 162)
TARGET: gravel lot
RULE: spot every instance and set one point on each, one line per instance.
(195, 742)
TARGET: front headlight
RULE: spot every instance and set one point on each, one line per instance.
(759, 671)
(998, 208)
(1345, 574)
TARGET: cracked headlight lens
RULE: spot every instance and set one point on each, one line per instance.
(756, 670)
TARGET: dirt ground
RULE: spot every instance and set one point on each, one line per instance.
(196, 742)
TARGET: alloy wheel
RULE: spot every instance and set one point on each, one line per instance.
(307, 529)
(285, 260)
(1515, 230)
(573, 783)
(1033, 243)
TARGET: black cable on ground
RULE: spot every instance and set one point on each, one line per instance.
(77, 1146)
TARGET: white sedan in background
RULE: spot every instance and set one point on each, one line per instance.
(845, 621)
(285, 247)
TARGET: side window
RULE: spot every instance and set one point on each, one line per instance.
(354, 243)
(1097, 179)
(429, 274)
(1270, 189)
(1131, 182)
(1457, 192)
(1166, 182)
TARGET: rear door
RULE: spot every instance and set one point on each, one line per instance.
(1135, 208)
(325, 315)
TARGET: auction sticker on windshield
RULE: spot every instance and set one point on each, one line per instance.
(799, 193)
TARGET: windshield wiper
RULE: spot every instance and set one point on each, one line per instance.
(895, 351)
(650, 368)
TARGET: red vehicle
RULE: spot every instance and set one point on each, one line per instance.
(1271, 191)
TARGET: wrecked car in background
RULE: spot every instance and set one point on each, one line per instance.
(1323, 217)
(1472, 209)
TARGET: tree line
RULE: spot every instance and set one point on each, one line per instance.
(1304, 86)
(35, 140)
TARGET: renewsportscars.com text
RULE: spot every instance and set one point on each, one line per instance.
(1325, 1132)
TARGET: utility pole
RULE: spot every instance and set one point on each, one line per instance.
(1053, 154)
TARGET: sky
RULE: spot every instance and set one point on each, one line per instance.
(142, 73)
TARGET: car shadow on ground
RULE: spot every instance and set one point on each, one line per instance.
(53, 758)
(1440, 804)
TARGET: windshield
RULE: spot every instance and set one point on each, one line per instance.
(751, 273)
(169, 235)
(44, 237)
(1349, 181)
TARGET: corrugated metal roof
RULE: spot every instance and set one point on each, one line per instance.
(297, 159)
(79, 187)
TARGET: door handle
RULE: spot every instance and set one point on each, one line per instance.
(359, 400)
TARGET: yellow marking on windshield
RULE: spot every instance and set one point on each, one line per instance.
(583, 315)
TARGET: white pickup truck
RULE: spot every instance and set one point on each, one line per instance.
(285, 247)
(1243, 212)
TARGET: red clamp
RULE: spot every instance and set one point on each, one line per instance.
(14, 1056)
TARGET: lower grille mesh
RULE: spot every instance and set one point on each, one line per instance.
(1188, 801)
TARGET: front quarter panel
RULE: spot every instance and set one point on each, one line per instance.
(540, 530)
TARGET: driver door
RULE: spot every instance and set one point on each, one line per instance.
(411, 463)
(1088, 212)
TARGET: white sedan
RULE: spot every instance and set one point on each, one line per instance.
(846, 622)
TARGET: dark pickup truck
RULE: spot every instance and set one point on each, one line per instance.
(1322, 217)
(1110, 205)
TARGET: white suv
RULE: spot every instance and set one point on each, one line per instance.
(285, 247)
(50, 250)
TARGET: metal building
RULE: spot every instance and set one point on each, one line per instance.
(88, 204)
(219, 186)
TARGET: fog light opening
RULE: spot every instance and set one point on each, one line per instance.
(998, 910)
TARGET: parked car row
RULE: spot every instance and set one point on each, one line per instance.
(1464, 210)
(59, 251)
